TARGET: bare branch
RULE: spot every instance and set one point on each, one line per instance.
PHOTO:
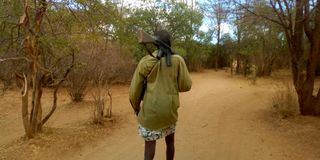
(40, 14)
(26, 59)
(6, 16)
(286, 22)
(42, 68)
(307, 28)
(109, 111)
(317, 20)
(259, 15)
(49, 22)
(15, 58)
(288, 9)
(55, 97)
(24, 18)
(74, 15)
(280, 15)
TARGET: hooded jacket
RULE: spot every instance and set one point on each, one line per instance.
(161, 97)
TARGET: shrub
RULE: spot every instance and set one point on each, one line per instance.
(115, 66)
(285, 100)
(77, 83)
(102, 90)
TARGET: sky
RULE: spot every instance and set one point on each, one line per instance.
(225, 28)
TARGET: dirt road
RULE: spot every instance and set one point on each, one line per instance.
(221, 118)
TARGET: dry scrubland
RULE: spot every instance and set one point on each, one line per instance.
(224, 117)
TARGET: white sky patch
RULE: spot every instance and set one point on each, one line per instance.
(225, 28)
(135, 3)
(204, 28)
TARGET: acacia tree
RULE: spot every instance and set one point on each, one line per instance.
(35, 74)
(300, 20)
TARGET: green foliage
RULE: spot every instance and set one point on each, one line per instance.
(182, 21)
(69, 24)
(180, 51)
(10, 12)
(260, 42)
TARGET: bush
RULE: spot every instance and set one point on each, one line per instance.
(116, 67)
(101, 92)
(285, 100)
(77, 83)
(8, 70)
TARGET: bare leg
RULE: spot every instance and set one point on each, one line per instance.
(149, 150)
(170, 146)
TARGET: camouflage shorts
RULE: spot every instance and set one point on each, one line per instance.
(152, 135)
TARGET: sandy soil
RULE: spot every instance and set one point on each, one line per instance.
(222, 118)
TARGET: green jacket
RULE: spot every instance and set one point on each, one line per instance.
(161, 98)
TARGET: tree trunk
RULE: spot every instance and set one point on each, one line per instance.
(304, 83)
(299, 33)
(309, 105)
(238, 64)
(218, 45)
(109, 109)
(25, 104)
(31, 30)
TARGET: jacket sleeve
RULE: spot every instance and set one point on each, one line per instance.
(136, 88)
(184, 79)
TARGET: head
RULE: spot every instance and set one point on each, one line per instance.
(164, 36)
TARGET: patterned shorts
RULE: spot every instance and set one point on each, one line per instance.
(152, 135)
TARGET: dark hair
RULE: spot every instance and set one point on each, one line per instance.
(163, 36)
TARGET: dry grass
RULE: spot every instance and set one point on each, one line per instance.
(64, 142)
(285, 100)
(2, 88)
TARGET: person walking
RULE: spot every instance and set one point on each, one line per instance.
(157, 81)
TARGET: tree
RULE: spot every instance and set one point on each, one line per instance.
(36, 72)
(181, 20)
(227, 49)
(261, 40)
(217, 12)
(300, 20)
